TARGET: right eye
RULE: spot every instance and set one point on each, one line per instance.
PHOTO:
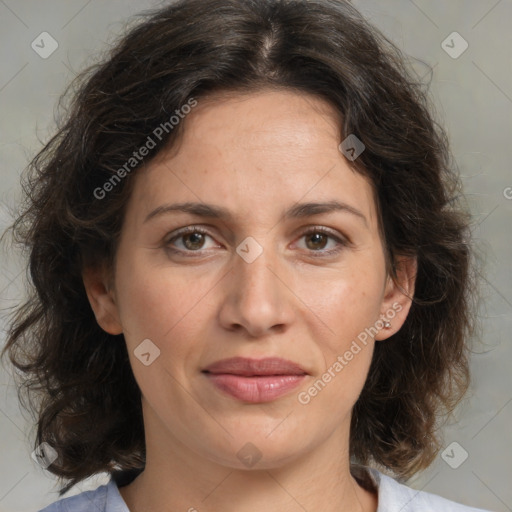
(192, 240)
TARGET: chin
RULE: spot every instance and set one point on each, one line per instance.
(256, 451)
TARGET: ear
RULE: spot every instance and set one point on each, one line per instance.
(102, 299)
(398, 296)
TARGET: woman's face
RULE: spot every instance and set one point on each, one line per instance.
(252, 284)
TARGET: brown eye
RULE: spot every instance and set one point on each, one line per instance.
(318, 238)
(196, 240)
(318, 241)
(191, 239)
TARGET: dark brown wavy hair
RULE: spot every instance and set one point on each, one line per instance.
(77, 377)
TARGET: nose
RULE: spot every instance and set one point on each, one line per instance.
(256, 297)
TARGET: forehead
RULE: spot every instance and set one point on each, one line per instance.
(263, 150)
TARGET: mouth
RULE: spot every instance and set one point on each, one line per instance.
(247, 367)
(255, 380)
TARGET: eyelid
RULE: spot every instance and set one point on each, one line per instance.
(184, 231)
(324, 229)
(342, 240)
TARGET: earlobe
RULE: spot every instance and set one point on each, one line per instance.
(102, 300)
(398, 297)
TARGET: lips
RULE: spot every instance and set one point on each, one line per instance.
(255, 367)
(255, 380)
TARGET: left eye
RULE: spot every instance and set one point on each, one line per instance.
(319, 239)
(193, 240)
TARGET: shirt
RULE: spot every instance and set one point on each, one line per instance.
(392, 497)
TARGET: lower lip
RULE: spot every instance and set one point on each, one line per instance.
(255, 389)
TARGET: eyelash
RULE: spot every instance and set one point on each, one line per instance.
(316, 229)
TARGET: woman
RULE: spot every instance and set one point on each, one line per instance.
(252, 279)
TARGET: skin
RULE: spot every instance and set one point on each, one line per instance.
(256, 154)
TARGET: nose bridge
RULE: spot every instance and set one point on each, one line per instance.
(257, 299)
(253, 268)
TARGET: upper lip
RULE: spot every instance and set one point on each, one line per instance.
(247, 367)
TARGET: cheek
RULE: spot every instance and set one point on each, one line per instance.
(352, 303)
(163, 306)
(157, 303)
(350, 310)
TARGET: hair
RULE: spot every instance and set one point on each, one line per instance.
(77, 377)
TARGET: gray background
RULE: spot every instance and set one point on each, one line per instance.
(473, 97)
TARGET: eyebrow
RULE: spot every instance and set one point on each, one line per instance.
(297, 211)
